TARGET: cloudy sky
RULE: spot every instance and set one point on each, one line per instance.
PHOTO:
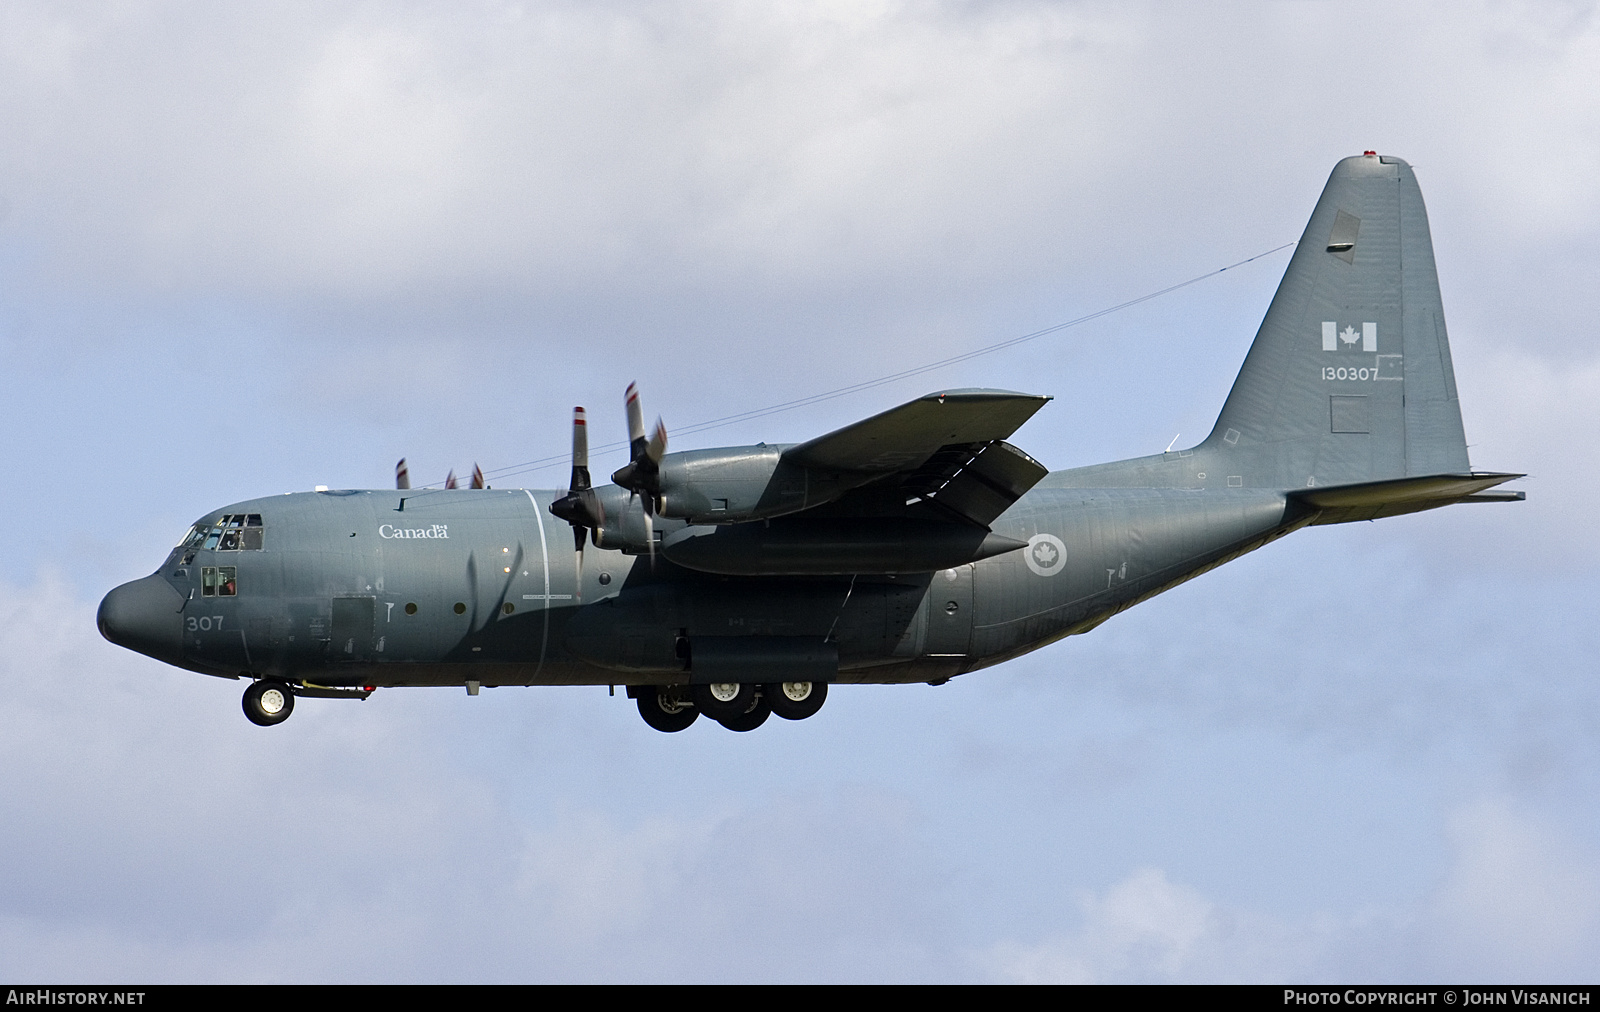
(251, 250)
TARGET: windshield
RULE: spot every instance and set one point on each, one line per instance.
(232, 532)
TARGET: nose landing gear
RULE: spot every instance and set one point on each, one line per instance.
(268, 702)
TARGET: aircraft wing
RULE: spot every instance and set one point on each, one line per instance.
(911, 490)
(904, 438)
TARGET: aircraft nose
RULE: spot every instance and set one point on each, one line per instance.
(143, 616)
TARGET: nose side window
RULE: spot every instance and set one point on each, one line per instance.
(219, 581)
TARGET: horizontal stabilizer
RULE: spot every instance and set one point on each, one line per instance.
(903, 438)
(1340, 504)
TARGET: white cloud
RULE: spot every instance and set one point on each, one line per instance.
(1147, 928)
(597, 880)
(1521, 901)
(1143, 926)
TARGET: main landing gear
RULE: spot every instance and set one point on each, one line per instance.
(666, 707)
(737, 706)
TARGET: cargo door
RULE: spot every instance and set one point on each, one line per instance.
(353, 621)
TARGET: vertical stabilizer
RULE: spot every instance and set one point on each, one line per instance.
(1349, 379)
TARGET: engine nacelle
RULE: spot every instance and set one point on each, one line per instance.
(625, 528)
(730, 485)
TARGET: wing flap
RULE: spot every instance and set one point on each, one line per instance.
(990, 482)
(905, 437)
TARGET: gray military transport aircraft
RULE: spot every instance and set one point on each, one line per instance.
(914, 546)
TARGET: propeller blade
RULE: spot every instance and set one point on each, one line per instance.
(580, 507)
(450, 482)
(579, 536)
(649, 528)
(580, 452)
(636, 440)
(402, 477)
(477, 476)
(657, 447)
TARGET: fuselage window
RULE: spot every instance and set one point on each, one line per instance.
(219, 581)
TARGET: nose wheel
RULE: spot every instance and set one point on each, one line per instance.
(268, 702)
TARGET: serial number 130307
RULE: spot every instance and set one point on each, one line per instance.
(204, 623)
(1359, 373)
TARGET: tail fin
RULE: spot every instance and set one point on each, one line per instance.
(1349, 379)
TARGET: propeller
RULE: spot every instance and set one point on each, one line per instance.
(402, 477)
(477, 477)
(580, 507)
(641, 475)
(450, 481)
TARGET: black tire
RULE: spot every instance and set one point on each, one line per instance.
(665, 709)
(725, 699)
(268, 702)
(751, 718)
(781, 697)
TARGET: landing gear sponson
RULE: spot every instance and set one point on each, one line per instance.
(737, 706)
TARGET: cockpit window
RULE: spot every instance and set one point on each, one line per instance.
(233, 532)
